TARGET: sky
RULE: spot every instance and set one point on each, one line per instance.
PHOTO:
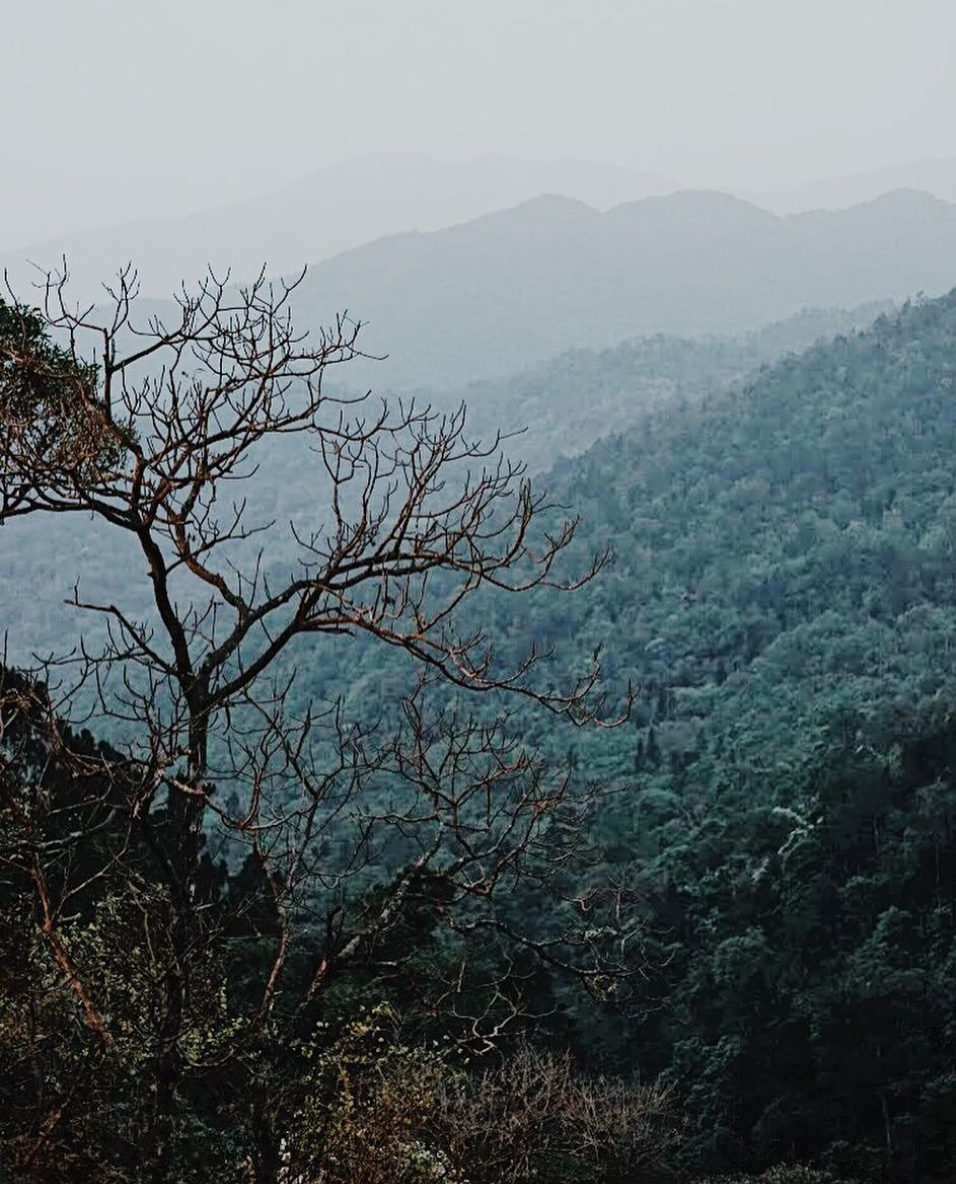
(119, 109)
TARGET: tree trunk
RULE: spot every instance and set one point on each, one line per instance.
(182, 843)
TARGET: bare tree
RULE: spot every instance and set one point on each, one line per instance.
(158, 457)
(159, 432)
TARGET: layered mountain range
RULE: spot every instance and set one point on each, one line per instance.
(516, 287)
(332, 210)
(513, 289)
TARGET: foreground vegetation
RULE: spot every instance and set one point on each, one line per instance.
(799, 966)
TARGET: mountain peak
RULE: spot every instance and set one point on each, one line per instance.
(696, 204)
(907, 196)
(545, 211)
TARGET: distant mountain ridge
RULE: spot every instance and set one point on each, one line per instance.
(346, 205)
(935, 176)
(332, 210)
(511, 289)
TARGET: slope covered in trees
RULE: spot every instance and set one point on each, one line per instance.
(562, 408)
(783, 590)
(782, 594)
(777, 542)
(775, 546)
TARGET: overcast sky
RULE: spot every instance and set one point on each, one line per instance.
(114, 109)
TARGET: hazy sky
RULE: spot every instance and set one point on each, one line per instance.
(126, 108)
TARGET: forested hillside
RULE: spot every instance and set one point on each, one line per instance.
(782, 544)
(781, 594)
(774, 545)
(562, 408)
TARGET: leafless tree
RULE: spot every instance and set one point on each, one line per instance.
(159, 431)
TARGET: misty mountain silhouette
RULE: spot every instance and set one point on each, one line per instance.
(515, 287)
(936, 176)
(334, 209)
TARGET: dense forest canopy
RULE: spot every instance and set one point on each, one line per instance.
(776, 546)
(782, 591)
